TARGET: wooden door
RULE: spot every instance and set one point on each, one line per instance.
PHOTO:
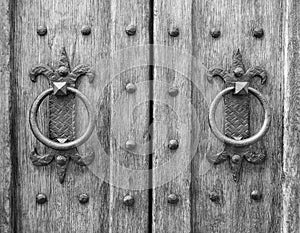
(147, 68)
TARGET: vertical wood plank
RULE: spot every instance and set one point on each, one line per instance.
(105, 211)
(172, 116)
(236, 211)
(5, 122)
(291, 151)
(64, 20)
(129, 116)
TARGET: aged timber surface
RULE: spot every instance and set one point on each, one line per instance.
(5, 133)
(236, 211)
(64, 20)
(291, 161)
(172, 116)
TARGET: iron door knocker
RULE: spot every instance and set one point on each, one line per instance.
(61, 115)
(237, 102)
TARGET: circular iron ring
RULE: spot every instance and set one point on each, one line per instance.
(56, 145)
(243, 142)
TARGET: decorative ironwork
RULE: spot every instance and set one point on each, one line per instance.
(237, 114)
(62, 115)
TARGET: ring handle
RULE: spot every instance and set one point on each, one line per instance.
(243, 142)
(50, 143)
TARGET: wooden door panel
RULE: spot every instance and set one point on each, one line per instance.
(6, 162)
(64, 20)
(235, 211)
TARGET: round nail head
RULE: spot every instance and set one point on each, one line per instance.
(173, 91)
(41, 198)
(86, 30)
(258, 32)
(83, 198)
(130, 145)
(256, 195)
(215, 33)
(130, 88)
(42, 30)
(236, 158)
(128, 200)
(214, 197)
(173, 199)
(61, 160)
(130, 30)
(238, 72)
(174, 31)
(63, 71)
(173, 144)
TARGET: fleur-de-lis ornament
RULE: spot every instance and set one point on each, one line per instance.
(62, 106)
(237, 113)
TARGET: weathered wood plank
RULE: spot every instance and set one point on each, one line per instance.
(105, 211)
(172, 115)
(5, 122)
(64, 20)
(291, 148)
(236, 211)
(129, 116)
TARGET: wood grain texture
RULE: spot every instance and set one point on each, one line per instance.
(129, 117)
(172, 116)
(291, 148)
(5, 122)
(64, 20)
(236, 211)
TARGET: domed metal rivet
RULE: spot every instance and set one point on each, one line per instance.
(41, 198)
(128, 200)
(63, 71)
(173, 91)
(256, 195)
(130, 30)
(173, 144)
(236, 158)
(214, 197)
(173, 199)
(173, 31)
(130, 145)
(258, 32)
(215, 33)
(130, 88)
(61, 160)
(86, 30)
(238, 72)
(42, 30)
(83, 198)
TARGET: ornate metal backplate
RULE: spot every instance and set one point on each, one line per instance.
(62, 106)
(237, 113)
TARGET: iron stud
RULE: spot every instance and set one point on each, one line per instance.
(42, 30)
(130, 145)
(128, 200)
(174, 31)
(173, 199)
(130, 30)
(173, 91)
(41, 198)
(130, 88)
(86, 30)
(256, 195)
(258, 32)
(63, 71)
(236, 159)
(173, 144)
(83, 198)
(215, 33)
